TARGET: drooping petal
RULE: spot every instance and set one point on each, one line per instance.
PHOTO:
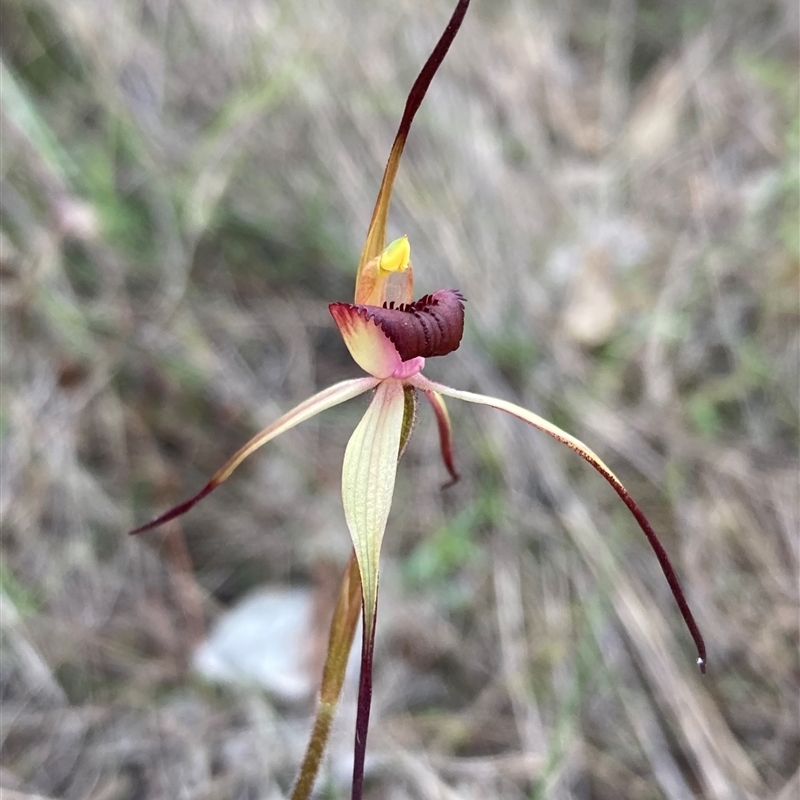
(592, 458)
(376, 234)
(368, 475)
(445, 434)
(327, 398)
(368, 343)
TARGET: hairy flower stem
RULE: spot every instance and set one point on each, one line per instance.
(315, 750)
(340, 641)
(364, 702)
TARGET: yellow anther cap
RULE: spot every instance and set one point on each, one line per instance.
(396, 256)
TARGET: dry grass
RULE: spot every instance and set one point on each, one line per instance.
(614, 186)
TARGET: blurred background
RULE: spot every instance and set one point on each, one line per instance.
(612, 184)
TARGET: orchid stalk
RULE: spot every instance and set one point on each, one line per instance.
(390, 336)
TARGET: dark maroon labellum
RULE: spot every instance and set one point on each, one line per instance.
(428, 327)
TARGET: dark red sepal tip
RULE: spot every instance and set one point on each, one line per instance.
(176, 511)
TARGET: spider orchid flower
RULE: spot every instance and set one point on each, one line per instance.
(390, 336)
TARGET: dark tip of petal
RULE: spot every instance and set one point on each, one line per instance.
(454, 479)
(431, 326)
(176, 511)
(423, 81)
(663, 560)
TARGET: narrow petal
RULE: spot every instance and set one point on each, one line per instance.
(445, 434)
(327, 398)
(369, 344)
(588, 455)
(368, 475)
(376, 235)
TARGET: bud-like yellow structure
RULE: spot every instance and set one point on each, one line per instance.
(387, 278)
(396, 256)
